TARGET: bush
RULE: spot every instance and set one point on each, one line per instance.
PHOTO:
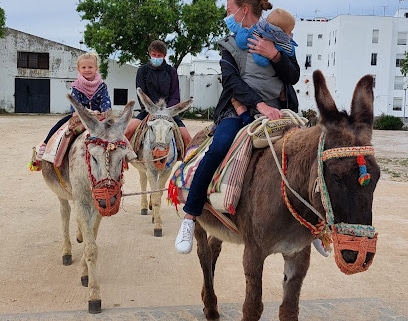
(387, 122)
(311, 116)
(198, 113)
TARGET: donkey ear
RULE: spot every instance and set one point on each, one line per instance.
(87, 119)
(324, 100)
(125, 116)
(363, 100)
(146, 101)
(180, 107)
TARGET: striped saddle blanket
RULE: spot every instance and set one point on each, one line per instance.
(225, 188)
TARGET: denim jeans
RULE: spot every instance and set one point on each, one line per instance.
(222, 140)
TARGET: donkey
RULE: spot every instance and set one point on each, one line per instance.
(157, 153)
(332, 168)
(91, 175)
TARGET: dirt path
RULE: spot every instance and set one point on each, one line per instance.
(139, 270)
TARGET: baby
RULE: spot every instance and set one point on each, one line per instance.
(277, 27)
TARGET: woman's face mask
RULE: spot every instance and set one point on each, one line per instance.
(156, 62)
(232, 25)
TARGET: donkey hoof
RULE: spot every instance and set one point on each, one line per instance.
(67, 259)
(158, 232)
(84, 281)
(95, 306)
(144, 211)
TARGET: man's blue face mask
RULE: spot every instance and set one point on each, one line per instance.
(232, 25)
(156, 62)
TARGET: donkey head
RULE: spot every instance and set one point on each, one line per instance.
(349, 172)
(106, 149)
(161, 126)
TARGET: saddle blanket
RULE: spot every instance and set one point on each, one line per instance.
(225, 188)
(58, 145)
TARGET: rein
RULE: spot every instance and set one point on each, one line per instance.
(108, 188)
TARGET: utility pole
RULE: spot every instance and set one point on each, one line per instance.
(384, 7)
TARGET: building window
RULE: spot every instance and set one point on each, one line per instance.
(373, 59)
(309, 40)
(319, 57)
(399, 60)
(397, 104)
(376, 33)
(399, 83)
(402, 38)
(374, 79)
(120, 97)
(319, 36)
(33, 60)
(334, 58)
(308, 62)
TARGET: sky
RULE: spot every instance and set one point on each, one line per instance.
(57, 20)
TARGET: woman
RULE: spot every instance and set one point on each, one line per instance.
(256, 87)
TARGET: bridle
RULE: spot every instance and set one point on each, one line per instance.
(105, 190)
(353, 237)
(161, 151)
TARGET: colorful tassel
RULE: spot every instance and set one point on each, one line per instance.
(364, 177)
(34, 166)
(172, 195)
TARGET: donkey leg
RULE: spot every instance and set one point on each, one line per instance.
(65, 210)
(143, 199)
(208, 251)
(157, 182)
(253, 262)
(89, 260)
(295, 270)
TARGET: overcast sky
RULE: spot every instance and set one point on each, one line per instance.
(58, 20)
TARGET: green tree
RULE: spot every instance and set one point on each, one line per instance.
(2, 23)
(404, 65)
(125, 28)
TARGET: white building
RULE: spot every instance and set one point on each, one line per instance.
(349, 47)
(36, 74)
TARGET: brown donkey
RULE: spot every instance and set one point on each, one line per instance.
(332, 168)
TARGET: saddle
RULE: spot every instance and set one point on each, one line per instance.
(60, 142)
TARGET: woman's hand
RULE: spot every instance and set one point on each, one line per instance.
(271, 112)
(264, 48)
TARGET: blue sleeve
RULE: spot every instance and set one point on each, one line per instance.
(105, 103)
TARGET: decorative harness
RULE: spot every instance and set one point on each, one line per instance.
(105, 190)
(344, 236)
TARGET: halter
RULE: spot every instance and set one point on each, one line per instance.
(160, 151)
(354, 237)
(106, 188)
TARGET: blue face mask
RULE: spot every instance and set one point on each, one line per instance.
(232, 25)
(156, 62)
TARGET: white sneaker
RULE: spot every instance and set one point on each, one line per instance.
(184, 239)
(320, 248)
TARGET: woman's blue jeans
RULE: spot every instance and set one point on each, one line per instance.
(222, 140)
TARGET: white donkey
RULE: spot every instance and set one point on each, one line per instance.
(91, 175)
(157, 153)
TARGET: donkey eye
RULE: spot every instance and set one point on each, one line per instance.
(94, 159)
(337, 179)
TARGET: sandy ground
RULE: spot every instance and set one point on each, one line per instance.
(139, 270)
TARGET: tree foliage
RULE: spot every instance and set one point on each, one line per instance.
(404, 65)
(2, 23)
(125, 28)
